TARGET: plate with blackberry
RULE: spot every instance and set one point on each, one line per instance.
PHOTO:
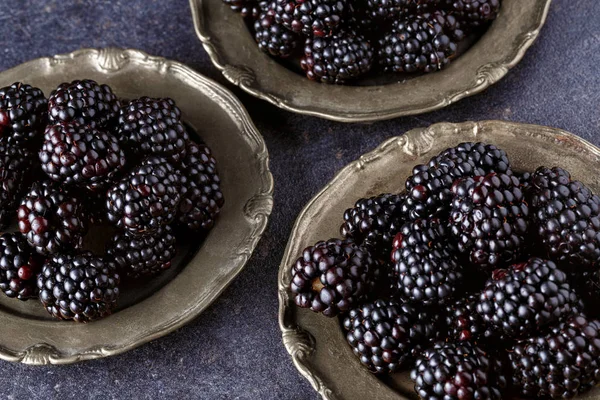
(367, 60)
(117, 204)
(477, 297)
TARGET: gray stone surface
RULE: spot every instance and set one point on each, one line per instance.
(234, 350)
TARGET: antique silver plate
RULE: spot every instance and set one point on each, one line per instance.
(317, 344)
(233, 51)
(201, 270)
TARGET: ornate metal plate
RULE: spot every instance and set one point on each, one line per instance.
(317, 344)
(233, 51)
(200, 272)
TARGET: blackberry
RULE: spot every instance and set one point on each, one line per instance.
(15, 175)
(51, 219)
(337, 59)
(332, 277)
(386, 335)
(23, 112)
(319, 18)
(80, 155)
(561, 364)
(458, 371)
(79, 287)
(18, 267)
(359, 19)
(464, 323)
(489, 219)
(394, 9)
(420, 43)
(142, 256)
(252, 10)
(425, 269)
(149, 126)
(566, 218)
(374, 222)
(527, 298)
(146, 199)
(474, 14)
(84, 102)
(201, 195)
(274, 38)
(525, 179)
(429, 187)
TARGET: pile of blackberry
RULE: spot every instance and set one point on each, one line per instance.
(85, 157)
(339, 41)
(480, 280)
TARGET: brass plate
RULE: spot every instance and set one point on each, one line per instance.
(317, 344)
(200, 272)
(233, 51)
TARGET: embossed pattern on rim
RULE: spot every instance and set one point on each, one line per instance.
(232, 50)
(249, 201)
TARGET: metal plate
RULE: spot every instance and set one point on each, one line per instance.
(316, 343)
(201, 270)
(233, 51)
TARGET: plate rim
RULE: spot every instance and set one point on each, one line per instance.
(257, 208)
(244, 77)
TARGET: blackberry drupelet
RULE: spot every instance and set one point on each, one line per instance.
(51, 219)
(474, 14)
(84, 102)
(201, 195)
(81, 155)
(149, 126)
(420, 43)
(337, 59)
(561, 364)
(15, 175)
(147, 198)
(428, 189)
(332, 277)
(23, 112)
(386, 335)
(394, 9)
(566, 218)
(489, 219)
(80, 287)
(464, 323)
(425, 267)
(19, 266)
(374, 222)
(527, 298)
(274, 38)
(252, 10)
(458, 371)
(142, 256)
(318, 18)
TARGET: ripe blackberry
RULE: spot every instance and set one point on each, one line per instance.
(474, 13)
(19, 266)
(429, 187)
(394, 9)
(464, 323)
(527, 298)
(337, 59)
(319, 18)
(201, 195)
(374, 222)
(23, 112)
(252, 10)
(81, 155)
(85, 102)
(332, 277)
(458, 371)
(561, 364)
(80, 287)
(146, 199)
(274, 38)
(425, 266)
(359, 19)
(385, 335)
(420, 43)
(149, 126)
(15, 175)
(489, 219)
(525, 179)
(142, 256)
(51, 219)
(566, 216)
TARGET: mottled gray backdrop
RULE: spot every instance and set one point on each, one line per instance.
(234, 350)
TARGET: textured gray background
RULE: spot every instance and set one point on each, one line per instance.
(234, 349)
